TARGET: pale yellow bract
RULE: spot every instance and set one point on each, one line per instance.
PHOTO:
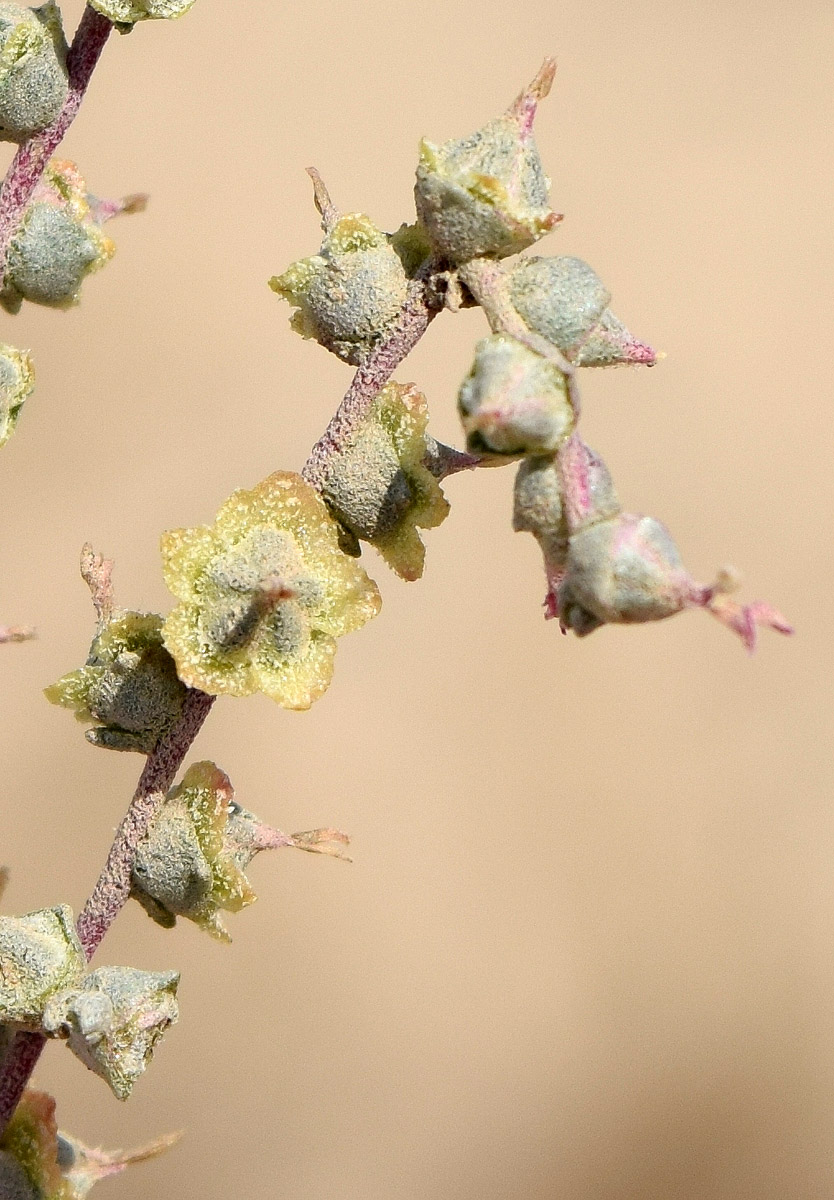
(265, 592)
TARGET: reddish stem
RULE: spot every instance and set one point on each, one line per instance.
(372, 375)
(113, 887)
(30, 161)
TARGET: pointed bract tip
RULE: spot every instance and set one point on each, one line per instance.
(525, 104)
(321, 197)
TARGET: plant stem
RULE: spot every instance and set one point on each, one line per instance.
(113, 887)
(30, 161)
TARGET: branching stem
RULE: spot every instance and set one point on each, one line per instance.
(113, 887)
(373, 374)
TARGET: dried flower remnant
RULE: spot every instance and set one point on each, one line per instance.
(16, 633)
(40, 1162)
(113, 1021)
(565, 301)
(487, 194)
(125, 13)
(265, 592)
(513, 401)
(82, 1167)
(59, 242)
(378, 485)
(349, 294)
(40, 954)
(17, 381)
(33, 69)
(192, 861)
(129, 687)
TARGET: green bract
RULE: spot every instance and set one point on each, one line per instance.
(513, 401)
(17, 379)
(565, 301)
(192, 860)
(113, 1021)
(128, 12)
(378, 486)
(40, 954)
(487, 194)
(190, 863)
(351, 292)
(265, 592)
(33, 69)
(59, 242)
(129, 687)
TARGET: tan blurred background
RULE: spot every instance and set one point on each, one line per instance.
(585, 949)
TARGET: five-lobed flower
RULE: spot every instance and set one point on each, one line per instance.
(265, 591)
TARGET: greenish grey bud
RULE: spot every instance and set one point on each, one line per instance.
(58, 244)
(538, 509)
(113, 1021)
(565, 301)
(349, 294)
(40, 954)
(129, 688)
(514, 402)
(379, 487)
(17, 380)
(625, 570)
(33, 69)
(487, 194)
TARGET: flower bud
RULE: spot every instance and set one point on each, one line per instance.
(17, 380)
(113, 1021)
(565, 301)
(39, 1162)
(349, 294)
(192, 860)
(540, 508)
(378, 486)
(40, 954)
(513, 401)
(59, 242)
(33, 69)
(265, 592)
(487, 194)
(129, 688)
(628, 570)
(125, 13)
